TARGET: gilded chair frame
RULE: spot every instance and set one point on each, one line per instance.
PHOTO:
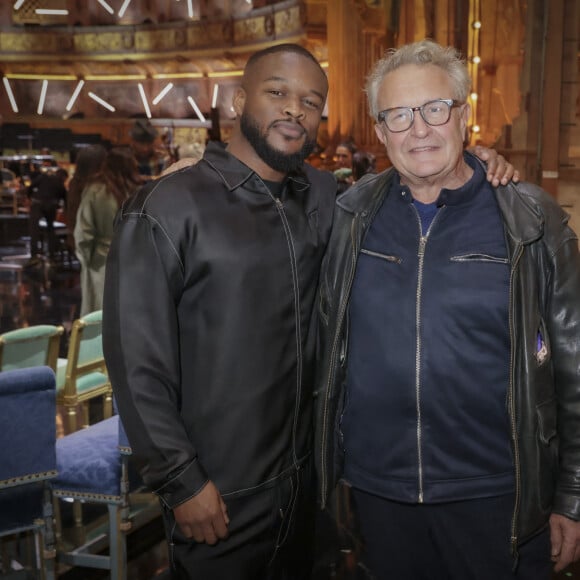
(69, 396)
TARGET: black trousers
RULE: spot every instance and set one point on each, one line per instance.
(38, 210)
(463, 540)
(271, 536)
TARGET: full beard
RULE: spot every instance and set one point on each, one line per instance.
(277, 160)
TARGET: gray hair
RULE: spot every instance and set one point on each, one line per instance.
(420, 53)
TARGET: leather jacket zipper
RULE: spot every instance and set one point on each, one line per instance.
(292, 254)
(355, 239)
(512, 411)
(418, 346)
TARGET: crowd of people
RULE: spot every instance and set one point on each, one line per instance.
(424, 321)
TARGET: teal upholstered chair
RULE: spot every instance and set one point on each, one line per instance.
(83, 374)
(27, 465)
(32, 346)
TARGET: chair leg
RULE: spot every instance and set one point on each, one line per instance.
(117, 544)
(108, 406)
(71, 415)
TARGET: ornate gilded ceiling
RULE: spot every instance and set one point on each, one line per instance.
(155, 43)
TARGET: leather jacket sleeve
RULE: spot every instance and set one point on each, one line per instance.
(144, 278)
(563, 320)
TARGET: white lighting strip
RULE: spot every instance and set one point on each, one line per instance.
(163, 92)
(10, 94)
(18, 4)
(101, 102)
(144, 99)
(196, 109)
(106, 6)
(51, 12)
(123, 8)
(215, 96)
(190, 8)
(42, 98)
(75, 95)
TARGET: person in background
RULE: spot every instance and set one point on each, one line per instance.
(151, 158)
(362, 163)
(47, 192)
(100, 201)
(343, 155)
(88, 163)
(449, 395)
(209, 334)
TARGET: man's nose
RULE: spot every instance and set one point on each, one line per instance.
(293, 107)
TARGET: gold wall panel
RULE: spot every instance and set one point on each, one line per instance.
(249, 30)
(288, 21)
(100, 42)
(23, 42)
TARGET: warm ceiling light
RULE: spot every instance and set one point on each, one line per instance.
(215, 96)
(473, 96)
(106, 6)
(144, 99)
(163, 92)
(190, 8)
(115, 77)
(51, 12)
(225, 73)
(101, 102)
(40, 77)
(476, 128)
(476, 59)
(75, 95)
(123, 8)
(42, 98)
(10, 95)
(196, 109)
(18, 4)
(185, 75)
(476, 24)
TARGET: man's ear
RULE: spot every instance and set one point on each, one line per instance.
(239, 101)
(380, 134)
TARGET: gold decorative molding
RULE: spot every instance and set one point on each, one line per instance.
(150, 42)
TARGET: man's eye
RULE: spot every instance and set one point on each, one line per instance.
(275, 92)
(312, 104)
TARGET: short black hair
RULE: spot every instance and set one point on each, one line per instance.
(276, 48)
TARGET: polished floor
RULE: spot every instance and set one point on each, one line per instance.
(50, 293)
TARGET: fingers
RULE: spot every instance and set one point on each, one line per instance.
(204, 516)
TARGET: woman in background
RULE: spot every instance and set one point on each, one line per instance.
(102, 197)
(88, 163)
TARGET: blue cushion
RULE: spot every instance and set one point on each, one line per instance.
(89, 462)
(28, 418)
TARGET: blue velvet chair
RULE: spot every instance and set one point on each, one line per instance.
(28, 461)
(92, 469)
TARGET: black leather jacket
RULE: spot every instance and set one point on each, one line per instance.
(209, 335)
(544, 391)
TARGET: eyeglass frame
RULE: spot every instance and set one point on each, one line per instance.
(451, 103)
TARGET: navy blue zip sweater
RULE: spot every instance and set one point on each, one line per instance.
(425, 416)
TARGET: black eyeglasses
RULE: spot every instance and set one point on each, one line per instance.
(399, 119)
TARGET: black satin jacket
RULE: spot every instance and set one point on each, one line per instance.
(209, 333)
(544, 391)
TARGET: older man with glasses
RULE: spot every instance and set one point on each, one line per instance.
(449, 398)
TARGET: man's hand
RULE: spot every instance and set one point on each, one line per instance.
(203, 517)
(498, 168)
(181, 164)
(565, 538)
